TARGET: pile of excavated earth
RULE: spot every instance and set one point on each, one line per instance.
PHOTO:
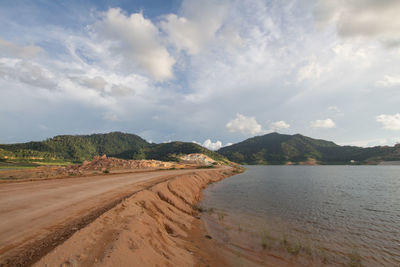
(104, 164)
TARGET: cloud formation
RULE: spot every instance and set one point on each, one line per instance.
(278, 125)
(136, 40)
(310, 71)
(390, 122)
(325, 124)
(201, 61)
(244, 125)
(197, 26)
(10, 49)
(367, 18)
(212, 146)
(27, 72)
(389, 81)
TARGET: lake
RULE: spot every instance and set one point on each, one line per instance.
(339, 212)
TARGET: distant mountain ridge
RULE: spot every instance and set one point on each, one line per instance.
(275, 148)
(115, 144)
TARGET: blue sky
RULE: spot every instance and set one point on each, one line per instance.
(214, 72)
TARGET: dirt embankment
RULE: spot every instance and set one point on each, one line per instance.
(96, 166)
(148, 229)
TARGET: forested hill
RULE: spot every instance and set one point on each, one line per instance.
(271, 148)
(277, 148)
(115, 144)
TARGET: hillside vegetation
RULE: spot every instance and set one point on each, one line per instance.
(78, 148)
(271, 148)
(277, 148)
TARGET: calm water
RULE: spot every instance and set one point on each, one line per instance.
(341, 209)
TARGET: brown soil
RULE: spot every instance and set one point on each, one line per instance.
(37, 216)
(97, 166)
(156, 226)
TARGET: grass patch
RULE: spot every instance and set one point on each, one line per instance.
(27, 164)
(267, 241)
(106, 171)
(206, 167)
(307, 249)
(324, 257)
(290, 247)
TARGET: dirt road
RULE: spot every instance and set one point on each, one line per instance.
(36, 216)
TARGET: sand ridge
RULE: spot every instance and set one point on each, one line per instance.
(149, 228)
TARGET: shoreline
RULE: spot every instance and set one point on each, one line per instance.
(159, 225)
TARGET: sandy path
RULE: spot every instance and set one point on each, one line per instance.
(31, 211)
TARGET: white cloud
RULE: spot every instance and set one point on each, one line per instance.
(212, 146)
(10, 49)
(122, 90)
(311, 71)
(275, 126)
(244, 125)
(367, 18)
(199, 24)
(326, 124)
(390, 122)
(27, 72)
(136, 40)
(389, 81)
(276, 46)
(97, 82)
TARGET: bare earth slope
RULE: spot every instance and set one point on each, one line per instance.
(36, 216)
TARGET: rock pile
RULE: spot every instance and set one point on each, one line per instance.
(104, 163)
(198, 159)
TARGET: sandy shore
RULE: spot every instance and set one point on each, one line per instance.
(158, 226)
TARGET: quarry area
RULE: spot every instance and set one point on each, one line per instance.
(105, 165)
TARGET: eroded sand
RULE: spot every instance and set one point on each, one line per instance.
(154, 227)
(38, 216)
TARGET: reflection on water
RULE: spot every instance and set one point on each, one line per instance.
(342, 209)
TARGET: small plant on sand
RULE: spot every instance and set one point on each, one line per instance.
(295, 249)
(106, 171)
(307, 249)
(284, 241)
(266, 240)
(323, 255)
(221, 216)
(289, 247)
(264, 243)
(354, 259)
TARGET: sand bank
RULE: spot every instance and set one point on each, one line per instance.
(154, 227)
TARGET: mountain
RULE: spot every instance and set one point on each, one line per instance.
(169, 151)
(275, 148)
(116, 144)
(271, 148)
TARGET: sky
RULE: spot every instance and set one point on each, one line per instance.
(212, 72)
